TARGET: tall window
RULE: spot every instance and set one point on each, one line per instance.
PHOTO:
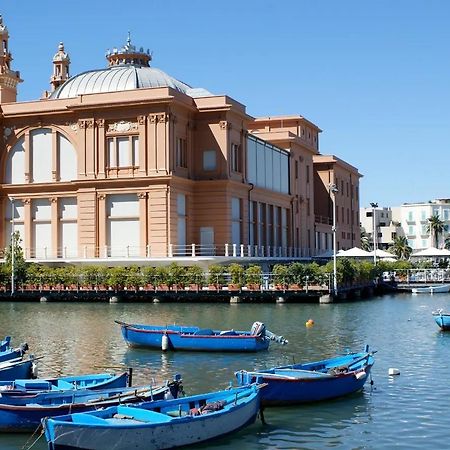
(209, 160)
(236, 219)
(123, 151)
(181, 152)
(181, 213)
(236, 158)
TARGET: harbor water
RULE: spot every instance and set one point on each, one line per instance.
(406, 411)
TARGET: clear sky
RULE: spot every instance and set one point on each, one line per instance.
(373, 75)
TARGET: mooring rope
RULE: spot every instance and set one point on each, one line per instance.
(26, 446)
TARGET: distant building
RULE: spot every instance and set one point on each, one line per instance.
(410, 220)
(129, 163)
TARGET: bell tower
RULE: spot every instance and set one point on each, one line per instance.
(9, 79)
(61, 63)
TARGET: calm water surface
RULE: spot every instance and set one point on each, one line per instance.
(409, 411)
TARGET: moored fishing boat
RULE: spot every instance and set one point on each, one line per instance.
(157, 425)
(18, 368)
(7, 352)
(89, 381)
(442, 319)
(432, 289)
(178, 337)
(313, 381)
(24, 414)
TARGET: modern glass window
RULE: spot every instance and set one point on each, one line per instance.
(123, 151)
(267, 165)
(411, 229)
(209, 160)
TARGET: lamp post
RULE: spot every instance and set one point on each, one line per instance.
(12, 246)
(333, 189)
(374, 232)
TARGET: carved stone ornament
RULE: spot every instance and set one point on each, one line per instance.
(53, 199)
(100, 123)
(26, 201)
(90, 123)
(142, 195)
(162, 118)
(122, 126)
(152, 118)
(73, 126)
(82, 124)
(224, 125)
(7, 132)
(141, 120)
(101, 196)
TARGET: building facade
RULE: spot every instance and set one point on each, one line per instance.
(333, 174)
(128, 162)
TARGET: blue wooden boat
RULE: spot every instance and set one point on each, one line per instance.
(13, 353)
(5, 343)
(91, 381)
(442, 319)
(18, 368)
(313, 381)
(24, 414)
(157, 425)
(179, 337)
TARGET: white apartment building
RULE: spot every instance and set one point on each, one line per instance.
(409, 219)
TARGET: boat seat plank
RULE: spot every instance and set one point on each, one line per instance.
(86, 419)
(143, 415)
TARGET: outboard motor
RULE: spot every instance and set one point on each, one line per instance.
(258, 329)
(23, 348)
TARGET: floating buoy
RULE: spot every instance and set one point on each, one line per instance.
(165, 343)
(309, 323)
(393, 371)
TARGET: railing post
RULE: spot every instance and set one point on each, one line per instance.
(170, 250)
(255, 253)
(192, 250)
(65, 253)
(242, 250)
(234, 250)
(249, 250)
(226, 249)
(147, 251)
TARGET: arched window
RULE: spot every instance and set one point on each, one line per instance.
(15, 165)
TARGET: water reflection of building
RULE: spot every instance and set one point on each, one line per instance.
(129, 162)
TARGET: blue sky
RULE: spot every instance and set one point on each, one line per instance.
(373, 75)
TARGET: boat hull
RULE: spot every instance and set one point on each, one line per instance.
(323, 380)
(17, 418)
(13, 370)
(171, 433)
(443, 321)
(183, 338)
(435, 289)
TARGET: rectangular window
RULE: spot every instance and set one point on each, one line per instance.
(423, 215)
(410, 216)
(181, 231)
(181, 152)
(209, 160)
(236, 221)
(411, 230)
(123, 151)
(236, 158)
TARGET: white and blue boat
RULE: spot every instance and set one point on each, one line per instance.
(157, 425)
(179, 337)
(313, 381)
(24, 413)
(87, 381)
(8, 353)
(18, 368)
(442, 319)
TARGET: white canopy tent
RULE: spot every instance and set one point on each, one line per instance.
(432, 252)
(382, 254)
(354, 252)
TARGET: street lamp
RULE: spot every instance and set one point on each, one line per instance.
(374, 232)
(12, 246)
(333, 189)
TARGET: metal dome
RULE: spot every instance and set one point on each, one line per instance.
(118, 78)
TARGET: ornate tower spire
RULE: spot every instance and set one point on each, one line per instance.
(9, 79)
(61, 63)
(128, 54)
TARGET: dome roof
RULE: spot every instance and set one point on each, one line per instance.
(118, 78)
(128, 69)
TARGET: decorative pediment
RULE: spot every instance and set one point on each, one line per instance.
(122, 127)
